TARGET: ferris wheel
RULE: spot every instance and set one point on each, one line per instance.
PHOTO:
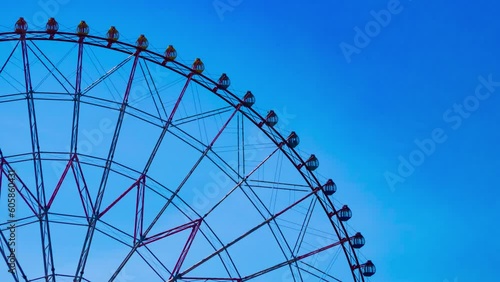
(119, 163)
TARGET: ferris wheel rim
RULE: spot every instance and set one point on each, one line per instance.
(229, 97)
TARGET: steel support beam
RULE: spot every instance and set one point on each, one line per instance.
(104, 180)
(48, 259)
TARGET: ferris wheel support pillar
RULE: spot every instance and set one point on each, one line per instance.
(48, 258)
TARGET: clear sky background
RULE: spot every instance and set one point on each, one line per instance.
(361, 103)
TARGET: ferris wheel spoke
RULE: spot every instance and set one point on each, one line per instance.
(107, 74)
(162, 273)
(312, 273)
(190, 173)
(5, 64)
(304, 227)
(151, 90)
(155, 90)
(277, 185)
(241, 237)
(277, 234)
(48, 258)
(145, 171)
(51, 71)
(11, 78)
(320, 271)
(77, 97)
(241, 182)
(203, 115)
(100, 193)
(256, 202)
(148, 165)
(167, 124)
(292, 261)
(9, 57)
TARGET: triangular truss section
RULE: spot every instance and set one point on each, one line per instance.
(141, 238)
(83, 191)
(140, 185)
(194, 226)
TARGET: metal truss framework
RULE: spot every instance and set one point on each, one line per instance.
(35, 199)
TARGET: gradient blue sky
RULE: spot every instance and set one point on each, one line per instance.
(357, 117)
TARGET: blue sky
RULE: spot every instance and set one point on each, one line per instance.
(359, 114)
